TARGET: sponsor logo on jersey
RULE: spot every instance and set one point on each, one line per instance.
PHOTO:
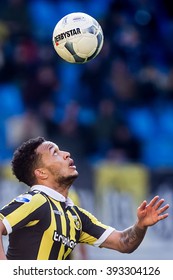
(64, 240)
(24, 198)
(67, 34)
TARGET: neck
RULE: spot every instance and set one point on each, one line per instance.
(62, 189)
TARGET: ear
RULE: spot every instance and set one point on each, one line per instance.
(40, 174)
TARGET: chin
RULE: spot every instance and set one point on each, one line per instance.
(75, 175)
(68, 180)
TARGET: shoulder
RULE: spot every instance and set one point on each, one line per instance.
(84, 213)
(89, 218)
(31, 197)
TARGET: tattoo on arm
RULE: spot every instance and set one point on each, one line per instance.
(131, 238)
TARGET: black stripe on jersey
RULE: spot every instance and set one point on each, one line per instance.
(13, 206)
(67, 231)
(57, 245)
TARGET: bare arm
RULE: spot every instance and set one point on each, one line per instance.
(128, 240)
(2, 232)
(125, 241)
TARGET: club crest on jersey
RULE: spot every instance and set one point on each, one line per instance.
(77, 222)
(23, 198)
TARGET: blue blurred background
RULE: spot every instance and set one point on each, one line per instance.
(114, 114)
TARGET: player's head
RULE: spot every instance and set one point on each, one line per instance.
(38, 161)
(25, 160)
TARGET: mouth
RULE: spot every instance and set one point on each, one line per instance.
(71, 164)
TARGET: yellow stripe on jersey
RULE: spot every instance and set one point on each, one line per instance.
(63, 230)
(32, 223)
(87, 238)
(67, 253)
(1, 217)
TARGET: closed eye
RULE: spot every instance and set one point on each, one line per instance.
(54, 150)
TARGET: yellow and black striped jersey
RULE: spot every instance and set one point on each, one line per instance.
(44, 225)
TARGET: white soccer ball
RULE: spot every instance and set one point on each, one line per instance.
(78, 38)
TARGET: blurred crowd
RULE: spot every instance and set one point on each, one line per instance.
(118, 106)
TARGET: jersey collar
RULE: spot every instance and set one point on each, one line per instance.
(52, 193)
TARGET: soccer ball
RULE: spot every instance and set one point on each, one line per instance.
(78, 38)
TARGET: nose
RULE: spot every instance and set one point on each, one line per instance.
(66, 155)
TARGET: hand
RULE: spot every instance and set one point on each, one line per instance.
(151, 213)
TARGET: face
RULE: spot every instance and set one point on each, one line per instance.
(56, 163)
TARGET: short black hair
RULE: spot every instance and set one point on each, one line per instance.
(25, 160)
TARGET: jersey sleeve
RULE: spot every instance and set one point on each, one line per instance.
(22, 211)
(93, 231)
